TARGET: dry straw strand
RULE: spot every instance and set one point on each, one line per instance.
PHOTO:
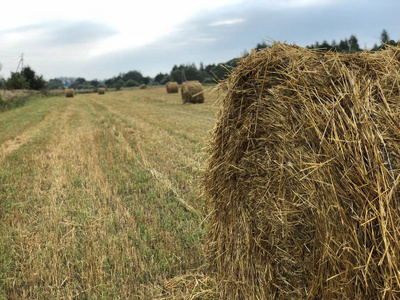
(303, 177)
(192, 92)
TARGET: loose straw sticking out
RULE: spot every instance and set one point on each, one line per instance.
(192, 92)
(302, 179)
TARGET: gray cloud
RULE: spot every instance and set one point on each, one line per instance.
(60, 33)
(78, 33)
(199, 40)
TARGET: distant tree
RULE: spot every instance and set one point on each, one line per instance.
(325, 45)
(208, 69)
(244, 53)
(192, 73)
(334, 46)
(146, 80)
(177, 74)
(353, 44)
(131, 83)
(16, 82)
(343, 46)
(261, 46)
(55, 84)
(384, 36)
(67, 81)
(118, 85)
(375, 47)
(135, 75)
(186, 72)
(109, 82)
(94, 83)
(2, 83)
(80, 83)
(166, 79)
(201, 68)
(159, 77)
(26, 79)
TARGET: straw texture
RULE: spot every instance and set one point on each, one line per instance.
(192, 92)
(303, 177)
(172, 87)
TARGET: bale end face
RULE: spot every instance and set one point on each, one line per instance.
(101, 91)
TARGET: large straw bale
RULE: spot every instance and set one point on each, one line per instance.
(192, 92)
(101, 90)
(303, 177)
(172, 87)
(143, 87)
(69, 93)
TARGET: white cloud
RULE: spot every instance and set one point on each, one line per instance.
(227, 22)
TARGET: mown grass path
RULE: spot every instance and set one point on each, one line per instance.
(100, 195)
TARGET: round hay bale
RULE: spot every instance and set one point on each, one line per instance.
(69, 93)
(101, 90)
(143, 87)
(172, 87)
(303, 178)
(192, 92)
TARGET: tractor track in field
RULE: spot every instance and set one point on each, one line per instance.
(13, 144)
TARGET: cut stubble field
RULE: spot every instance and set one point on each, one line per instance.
(100, 195)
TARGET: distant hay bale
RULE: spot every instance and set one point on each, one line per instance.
(143, 87)
(101, 90)
(69, 93)
(172, 87)
(192, 92)
(303, 178)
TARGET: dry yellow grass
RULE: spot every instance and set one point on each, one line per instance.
(8, 95)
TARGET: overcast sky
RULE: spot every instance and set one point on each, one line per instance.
(79, 38)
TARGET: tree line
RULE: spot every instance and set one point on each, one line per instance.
(351, 45)
(207, 74)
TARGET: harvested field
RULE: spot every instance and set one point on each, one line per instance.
(94, 205)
